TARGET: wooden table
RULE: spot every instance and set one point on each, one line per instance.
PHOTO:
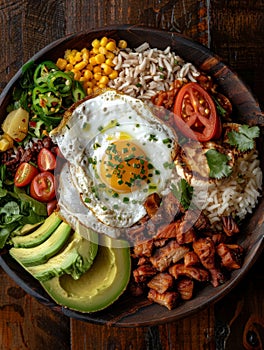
(234, 29)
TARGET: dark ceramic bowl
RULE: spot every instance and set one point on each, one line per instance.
(129, 311)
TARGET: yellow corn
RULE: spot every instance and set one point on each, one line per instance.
(94, 67)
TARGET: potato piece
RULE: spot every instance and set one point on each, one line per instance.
(16, 124)
(6, 142)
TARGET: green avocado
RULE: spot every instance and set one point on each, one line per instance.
(39, 235)
(98, 287)
(74, 259)
(42, 252)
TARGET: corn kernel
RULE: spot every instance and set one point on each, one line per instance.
(92, 60)
(87, 74)
(109, 62)
(96, 43)
(103, 50)
(78, 56)
(104, 80)
(69, 67)
(110, 55)
(77, 74)
(89, 67)
(101, 86)
(100, 58)
(80, 65)
(89, 91)
(110, 46)
(61, 63)
(107, 69)
(90, 84)
(97, 76)
(103, 41)
(122, 44)
(95, 51)
(114, 74)
(97, 69)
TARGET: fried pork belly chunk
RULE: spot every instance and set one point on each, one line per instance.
(161, 282)
(191, 259)
(205, 249)
(185, 287)
(168, 299)
(143, 273)
(171, 253)
(196, 273)
(152, 204)
(231, 255)
(144, 248)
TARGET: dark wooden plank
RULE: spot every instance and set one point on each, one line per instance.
(26, 324)
(237, 32)
(195, 332)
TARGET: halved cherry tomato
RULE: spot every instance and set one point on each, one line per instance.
(46, 160)
(24, 174)
(42, 187)
(51, 206)
(195, 113)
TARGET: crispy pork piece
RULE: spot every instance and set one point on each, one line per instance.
(143, 273)
(152, 204)
(231, 255)
(191, 259)
(185, 288)
(205, 249)
(161, 282)
(196, 273)
(143, 260)
(165, 256)
(197, 219)
(230, 227)
(144, 248)
(166, 231)
(168, 299)
(184, 233)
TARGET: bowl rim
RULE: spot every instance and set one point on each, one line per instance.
(214, 62)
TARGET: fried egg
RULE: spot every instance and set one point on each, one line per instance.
(118, 153)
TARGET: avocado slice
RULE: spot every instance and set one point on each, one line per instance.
(41, 253)
(39, 235)
(26, 229)
(75, 259)
(100, 286)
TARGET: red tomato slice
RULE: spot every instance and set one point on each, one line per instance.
(24, 174)
(195, 113)
(46, 160)
(42, 187)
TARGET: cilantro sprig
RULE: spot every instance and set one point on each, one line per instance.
(218, 164)
(243, 139)
(183, 192)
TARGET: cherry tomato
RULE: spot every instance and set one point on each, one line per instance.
(24, 174)
(46, 160)
(42, 187)
(196, 109)
(51, 206)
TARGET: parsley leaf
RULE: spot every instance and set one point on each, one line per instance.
(217, 163)
(183, 192)
(243, 140)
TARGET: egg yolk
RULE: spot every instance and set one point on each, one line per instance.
(124, 167)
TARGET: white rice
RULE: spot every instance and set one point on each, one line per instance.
(236, 195)
(145, 71)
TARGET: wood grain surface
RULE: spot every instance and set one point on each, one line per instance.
(234, 30)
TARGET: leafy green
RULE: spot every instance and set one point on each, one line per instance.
(183, 192)
(16, 208)
(218, 164)
(243, 139)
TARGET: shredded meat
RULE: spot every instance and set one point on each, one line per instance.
(231, 255)
(161, 282)
(185, 288)
(165, 256)
(168, 299)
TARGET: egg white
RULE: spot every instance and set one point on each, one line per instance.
(83, 141)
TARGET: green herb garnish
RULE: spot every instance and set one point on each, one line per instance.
(218, 164)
